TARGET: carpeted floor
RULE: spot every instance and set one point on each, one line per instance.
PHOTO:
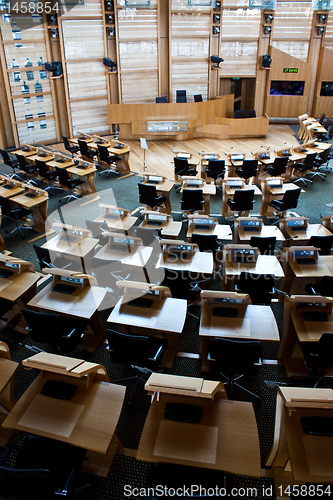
(127, 470)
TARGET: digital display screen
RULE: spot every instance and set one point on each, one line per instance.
(249, 223)
(155, 178)
(12, 266)
(115, 211)
(203, 221)
(125, 241)
(70, 279)
(157, 217)
(304, 253)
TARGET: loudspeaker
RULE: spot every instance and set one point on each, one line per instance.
(266, 61)
(57, 68)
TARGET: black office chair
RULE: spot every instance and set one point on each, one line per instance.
(278, 167)
(44, 469)
(192, 200)
(15, 214)
(28, 168)
(161, 99)
(142, 354)
(324, 243)
(235, 357)
(47, 175)
(242, 202)
(181, 96)
(182, 167)
(318, 356)
(322, 159)
(207, 243)
(61, 332)
(149, 236)
(148, 196)
(321, 120)
(65, 180)
(216, 170)
(48, 259)
(305, 168)
(197, 97)
(260, 287)
(289, 201)
(13, 164)
(107, 274)
(5, 307)
(181, 284)
(251, 113)
(248, 169)
(109, 159)
(85, 151)
(266, 245)
(98, 229)
(72, 149)
(238, 113)
(324, 288)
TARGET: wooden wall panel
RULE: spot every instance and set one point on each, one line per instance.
(324, 104)
(240, 58)
(292, 20)
(241, 24)
(90, 116)
(86, 8)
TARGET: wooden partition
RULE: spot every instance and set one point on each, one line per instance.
(205, 119)
(323, 104)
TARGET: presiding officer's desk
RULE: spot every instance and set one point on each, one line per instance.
(83, 302)
(74, 242)
(241, 257)
(164, 222)
(226, 438)
(298, 231)
(117, 219)
(229, 186)
(88, 420)
(298, 329)
(183, 256)
(303, 264)
(246, 227)
(309, 456)
(163, 187)
(208, 189)
(273, 188)
(204, 225)
(251, 322)
(165, 316)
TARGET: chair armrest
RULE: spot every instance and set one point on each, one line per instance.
(157, 354)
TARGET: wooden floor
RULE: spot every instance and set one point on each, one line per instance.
(159, 154)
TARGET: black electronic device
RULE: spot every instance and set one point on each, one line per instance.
(305, 261)
(32, 194)
(8, 186)
(183, 412)
(109, 63)
(99, 141)
(314, 316)
(42, 155)
(202, 226)
(153, 181)
(119, 146)
(61, 160)
(58, 389)
(266, 61)
(154, 222)
(317, 425)
(5, 273)
(141, 302)
(243, 255)
(119, 247)
(68, 237)
(225, 312)
(63, 288)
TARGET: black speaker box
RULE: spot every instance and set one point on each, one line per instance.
(266, 60)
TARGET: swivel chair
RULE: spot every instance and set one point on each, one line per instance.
(251, 113)
(260, 287)
(322, 159)
(238, 113)
(85, 151)
(207, 243)
(72, 149)
(13, 164)
(266, 245)
(109, 159)
(181, 96)
(28, 168)
(318, 356)
(142, 354)
(278, 167)
(148, 196)
(192, 200)
(182, 167)
(235, 357)
(197, 98)
(248, 169)
(47, 175)
(216, 170)
(289, 201)
(65, 180)
(304, 168)
(14, 214)
(324, 288)
(98, 228)
(161, 99)
(324, 243)
(321, 119)
(47, 258)
(243, 201)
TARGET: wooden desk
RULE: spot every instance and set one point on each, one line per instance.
(310, 456)
(21, 152)
(221, 231)
(200, 263)
(168, 227)
(82, 249)
(15, 190)
(7, 371)
(163, 188)
(123, 153)
(38, 207)
(229, 192)
(270, 194)
(242, 236)
(207, 189)
(87, 175)
(88, 420)
(138, 258)
(47, 158)
(298, 275)
(60, 164)
(302, 237)
(82, 303)
(225, 439)
(122, 224)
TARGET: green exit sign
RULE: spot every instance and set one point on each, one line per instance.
(290, 70)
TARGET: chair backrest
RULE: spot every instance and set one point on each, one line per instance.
(206, 242)
(238, 113)
(83, 147)
(243, 199)
(236, 356)
(148, 236)
(127, 349)
(103, 152)
(326, 286)
(22, 161)
(6, 158)
(325, 349)
(65, 142)
(251, 113)
(323, 156)
(45, 326)
(147, 194)
(197, 98)
(192, 199)
(63, 175)
(6, 206)
(43, 256)
(266, 245)
(248, 169)
(97, 228)
(181, 165)
(290, 199)
(258, 286)
(279, 166)
(216, 169)
(161, 99)
(179, 284)
(42, 168)
(181, 96)
(310, 159)
(324, 243)
(321, 120)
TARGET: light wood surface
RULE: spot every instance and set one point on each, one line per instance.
(186, 386)
(7, 371)
(199, 262)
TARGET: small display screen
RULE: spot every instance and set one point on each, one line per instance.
(70, 279)
(293, 223)
(237, 157)
(125, 241)
(194, 182)
(116, 211)
(304, 253)
(155, 178)
(203, 221)
(249, 223)
(286, 87)
(234, 183)
(156, 217)
(12, 266)
(184, 155)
